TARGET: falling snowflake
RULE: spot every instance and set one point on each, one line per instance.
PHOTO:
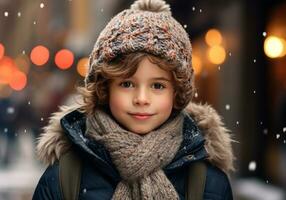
(265, 131)
(42, 5)
(277, 136)
(237, 122)
(42, 119)
(185, 26)
(10, 110)
(19, 14)
(284, 129)
(193, 8)
(267, 181)
(84, 190)
(254, 91)
(254, 60)
(252, 166)
(227, 107)
(101, 10)
(23, 52)
(29, 102)
(261, 123)
(25, 131)
(284, 141)
(264, 34)
(201, 10)
(34, 22)
(218, 67)
(196, 95)
(6, 14)
(5, 130)
(229, 54)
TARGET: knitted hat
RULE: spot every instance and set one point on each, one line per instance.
(148, 26)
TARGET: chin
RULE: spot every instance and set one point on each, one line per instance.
(140, 131)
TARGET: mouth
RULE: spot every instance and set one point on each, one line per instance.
(141, 116)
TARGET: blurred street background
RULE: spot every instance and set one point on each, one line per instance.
(239, 57)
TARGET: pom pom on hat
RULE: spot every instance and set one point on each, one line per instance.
(151, 5)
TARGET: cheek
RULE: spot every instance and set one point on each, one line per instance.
(117, 100)
(167, 104)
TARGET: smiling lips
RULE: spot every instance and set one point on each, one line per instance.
(141, 116)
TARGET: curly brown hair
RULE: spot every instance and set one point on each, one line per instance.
(95, 93)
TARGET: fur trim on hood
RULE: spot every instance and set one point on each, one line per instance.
(218, 139)
(53, 142)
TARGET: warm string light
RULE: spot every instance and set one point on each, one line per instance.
(7, 69)
(64, 59)
(13, 72)
(213, 37)
(216, 52)
(18, 81)
(11, 75)
(275, 47)
(82, 66)
(40, 55)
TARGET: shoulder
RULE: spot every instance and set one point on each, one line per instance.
(217, 184)
(48, 186)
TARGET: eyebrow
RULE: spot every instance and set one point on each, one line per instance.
(154, 79)
(161, 78)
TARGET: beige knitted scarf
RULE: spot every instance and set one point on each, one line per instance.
(139, 159)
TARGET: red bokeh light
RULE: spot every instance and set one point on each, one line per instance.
(7, 69)
(64, 59)
(40, 55)
(18, 81)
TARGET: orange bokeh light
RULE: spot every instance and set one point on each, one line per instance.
(40, 55)
(18, 81)
(2, 51)
(64, 59)
(7, 68)
(82, 66)
(216, 54)
(213, 37)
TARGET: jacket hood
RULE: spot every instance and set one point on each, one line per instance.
(53, 142)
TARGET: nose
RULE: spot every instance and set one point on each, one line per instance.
(141, 97)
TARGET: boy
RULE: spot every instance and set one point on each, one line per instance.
(133, 135)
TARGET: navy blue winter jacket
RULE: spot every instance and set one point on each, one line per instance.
(100, 176)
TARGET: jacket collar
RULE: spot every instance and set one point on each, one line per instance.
(191, 149)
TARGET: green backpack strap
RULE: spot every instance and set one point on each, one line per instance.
(70, 168)
(196, 179)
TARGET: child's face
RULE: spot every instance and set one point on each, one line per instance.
(144, 101)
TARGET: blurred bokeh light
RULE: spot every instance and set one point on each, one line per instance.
(64, 59)
(40, 55)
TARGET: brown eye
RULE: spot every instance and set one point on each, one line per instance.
(158, 86)
(126, 84)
